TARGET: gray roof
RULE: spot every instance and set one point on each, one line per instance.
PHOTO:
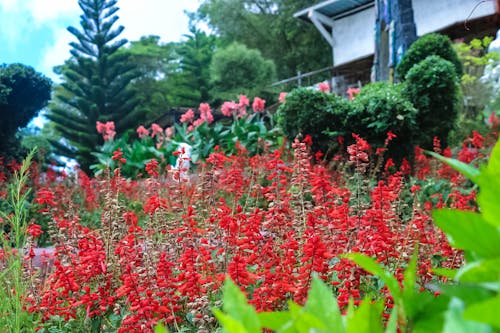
(335, 8)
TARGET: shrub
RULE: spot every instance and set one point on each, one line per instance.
(430, 44)
(379, 108)
(238, 70)
(312, 112)
(431, 85)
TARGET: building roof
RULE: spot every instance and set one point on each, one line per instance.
(335, 8)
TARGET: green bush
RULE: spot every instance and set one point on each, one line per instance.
(427, 45)
(379, 108)
(238, 70)
(312, 112)
(432, 86)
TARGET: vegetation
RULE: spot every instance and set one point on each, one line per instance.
(312, 112)
(432, 87)
(237, 70)
(23, 93)
(269, 26)
(427, 45)
(96, 84)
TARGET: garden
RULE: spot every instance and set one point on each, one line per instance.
(375, 214)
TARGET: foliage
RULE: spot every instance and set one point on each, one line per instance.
(14, 235)
(252, 134)
(23, 93)
(431, 85)
(237, 69)
(156, 63)
(427, 45)
(270, 27)
(378, 109)
(96, 84)
(312, 112)
(193, 84)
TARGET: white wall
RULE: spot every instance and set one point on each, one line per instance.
(353, 36)
(432, 15)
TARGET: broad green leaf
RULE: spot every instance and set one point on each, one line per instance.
(301, 321)
(161, 329)
(456, 323)
(445, 272)
(464, 230)
(485, 312)
(229, 324)
(410, 284)
(489, 194)
(392, 324)
(467, 293)
(366, 318)
(274, 320)
(467, 170)
(372, 267)
(480, 271)
(235, 306)
(321, 303)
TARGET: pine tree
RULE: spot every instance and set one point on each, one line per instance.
(96, 84)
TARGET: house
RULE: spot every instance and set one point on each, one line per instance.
(369, 37)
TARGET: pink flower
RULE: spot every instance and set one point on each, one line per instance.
(155, 130)
(228, 108)
(142, 131)
(324, 86)
(190, 128)
(206, 112)
(244, 102)
(352, 92)
(188, 116)
(106, 129)
(169, 132)
(198, 122)
(282, 97)
(258, 104)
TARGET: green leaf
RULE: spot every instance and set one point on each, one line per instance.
(392, 324)
(372, 267)
(467, 170)
(445, 272)
(274, 320)
(464, 229)
(160, 329)
(489, 185)
(236, 307)
(229, 324)
(366, 318)
(321, 303)
(455, 321)
(409, 284)
(480, 271)
(484, 312)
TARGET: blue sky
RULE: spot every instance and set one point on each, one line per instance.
(33, 32)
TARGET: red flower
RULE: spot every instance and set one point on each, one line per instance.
(34, 230)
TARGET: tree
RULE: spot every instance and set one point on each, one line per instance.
(238, 70)
(192, 84)
(23, 93)
(155, 63)
(96, 84)
(269, 26)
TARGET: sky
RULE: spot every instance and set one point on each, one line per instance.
(33, 32)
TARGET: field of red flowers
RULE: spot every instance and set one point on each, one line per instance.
(132, 253)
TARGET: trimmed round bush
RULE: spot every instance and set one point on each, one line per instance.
(313, 112)
(432, 87)
(379, 108)
(427, 45)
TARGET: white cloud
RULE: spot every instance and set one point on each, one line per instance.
(164, 18)
(46, 10)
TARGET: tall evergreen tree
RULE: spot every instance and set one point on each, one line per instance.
(96, 84)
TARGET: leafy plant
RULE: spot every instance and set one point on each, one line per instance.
(431, 85)
(313, 112)
(380, 108)
(427, 45)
